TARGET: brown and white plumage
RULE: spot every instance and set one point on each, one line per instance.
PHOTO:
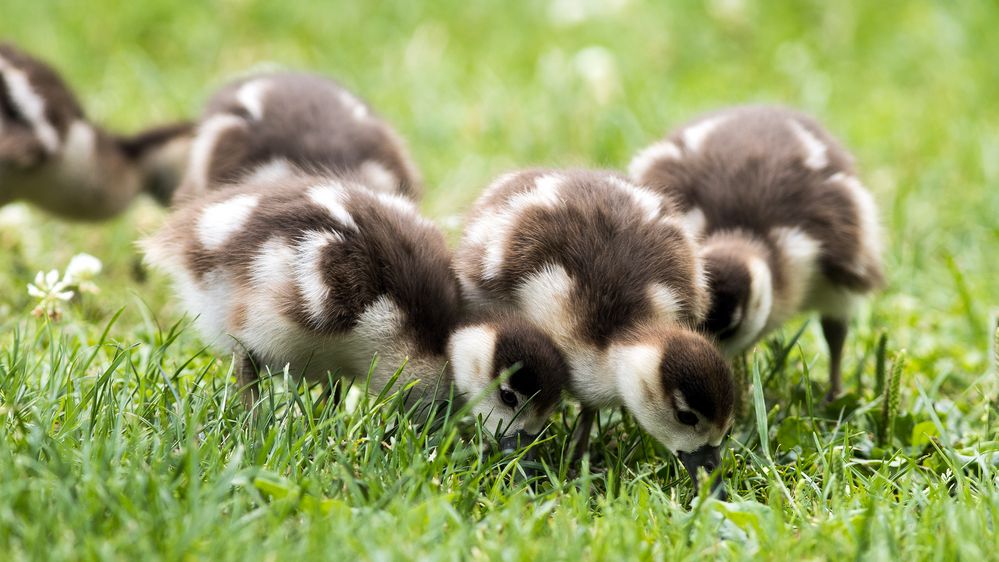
(784, 222)
(52, 156)
(608, 270)
(281, 124)
(322, 274)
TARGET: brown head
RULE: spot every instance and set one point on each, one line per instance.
(679, 388)
(483, 351)
(741, 284)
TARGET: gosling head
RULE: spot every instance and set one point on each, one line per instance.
(741, 287)
(518, 408)
(680, 390)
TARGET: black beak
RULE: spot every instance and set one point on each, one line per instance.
(708, 458)
(511, 443)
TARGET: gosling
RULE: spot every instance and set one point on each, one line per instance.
(785, 224)
(279, 125)
(610, 273)
(322, 274)
(52, 156)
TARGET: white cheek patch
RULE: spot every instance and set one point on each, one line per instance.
(665, 302)
(544, 299)
(80, 148)
(816, 157)
(252, 95)
(275, 171)
(649, 202)
(333, 197)
(650, 156)
(30, 105)
(471, 351)
(378, 178)
(219, 221)
(357, 109)
(870, 226)
(635, 365)
(309, 272)
(638, 363)
(632, 365)
(203, 147)
(695, 135)
(757, 310)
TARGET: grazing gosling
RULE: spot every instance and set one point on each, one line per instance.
(282, 124)
(784, 223)
(53, 157)
(321, 274)
(609, 271)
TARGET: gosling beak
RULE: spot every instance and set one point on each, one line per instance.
(708, 458)
(511, 443)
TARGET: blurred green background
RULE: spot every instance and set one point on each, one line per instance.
(482, 87)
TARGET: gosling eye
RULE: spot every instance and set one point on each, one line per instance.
(686, 418)
(508, 397)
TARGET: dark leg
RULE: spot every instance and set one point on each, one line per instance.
(248, 379)
(581, 437)
(834, 330)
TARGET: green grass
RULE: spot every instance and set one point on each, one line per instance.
(132, 445)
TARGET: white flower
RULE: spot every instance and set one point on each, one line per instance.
(81, 271)
(15, 217)
(50, 291)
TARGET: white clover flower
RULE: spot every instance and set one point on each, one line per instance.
(51, 292)
(15, 217)
(81, 271)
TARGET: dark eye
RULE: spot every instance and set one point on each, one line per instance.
(686, 418)
(508, 397)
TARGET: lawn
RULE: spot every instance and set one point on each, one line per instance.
(121, 437)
